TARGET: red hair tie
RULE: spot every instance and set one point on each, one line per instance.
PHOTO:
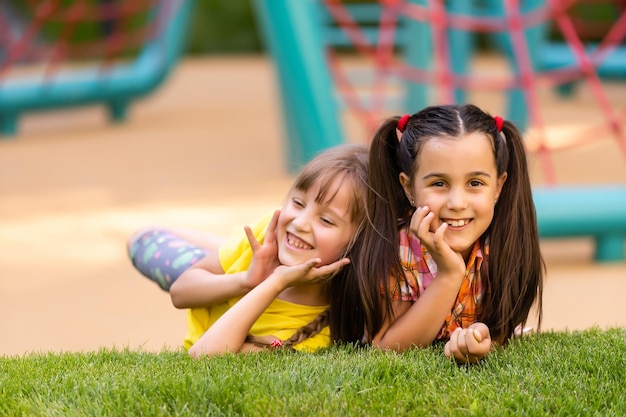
(276, 343)
(499, 122)
(402, 122)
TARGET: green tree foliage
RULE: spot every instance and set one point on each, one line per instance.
(223, 26)
(216, 26)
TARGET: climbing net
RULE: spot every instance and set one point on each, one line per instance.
(381, 55)
(52, 33)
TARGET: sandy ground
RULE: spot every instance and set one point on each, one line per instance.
(203, 151)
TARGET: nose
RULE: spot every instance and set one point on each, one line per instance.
(456, 199)
(302, 220)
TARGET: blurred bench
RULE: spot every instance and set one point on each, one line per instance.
(596, 211)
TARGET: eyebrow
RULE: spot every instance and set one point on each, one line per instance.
(327, 206)
(346, 217)
(471, 174)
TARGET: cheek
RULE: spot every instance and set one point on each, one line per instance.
(281, 226)
(430, 200)
(334, 247)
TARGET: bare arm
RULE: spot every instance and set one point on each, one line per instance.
(229, 332)
(418, 324)
(205, 283)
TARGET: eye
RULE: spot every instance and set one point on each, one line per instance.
(327, 221)
(297, 202)
(476, 183)
(439, 183)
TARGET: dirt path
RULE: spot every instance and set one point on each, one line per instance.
(204, 151)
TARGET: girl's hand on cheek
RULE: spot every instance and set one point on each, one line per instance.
(448, 261)
(265, 256)
(308, 272)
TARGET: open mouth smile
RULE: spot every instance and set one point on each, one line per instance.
(297, 243)
(457, 222)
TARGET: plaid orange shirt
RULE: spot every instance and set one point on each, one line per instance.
(419, 271)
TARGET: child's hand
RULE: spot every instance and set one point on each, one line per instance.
(469, 345)
(448, 261)
(307, 273)
(265, 256)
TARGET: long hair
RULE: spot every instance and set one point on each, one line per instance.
(513, 274)
(345, 314)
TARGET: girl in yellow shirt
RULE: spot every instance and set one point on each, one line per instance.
(280, 282)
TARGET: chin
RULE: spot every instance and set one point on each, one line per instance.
(290, 260)
(462, 247)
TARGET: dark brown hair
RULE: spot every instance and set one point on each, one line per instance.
(349, 163)
(513, 273)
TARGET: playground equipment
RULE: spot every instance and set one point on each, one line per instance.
(418, 52)
(597, 211)
(607, 57)
(112, 79)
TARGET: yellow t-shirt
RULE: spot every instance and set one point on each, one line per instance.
(281, 319)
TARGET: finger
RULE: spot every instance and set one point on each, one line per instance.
(481, 331)
(417, 218)
(328, 270)
(309, 265)
(337, 265)
(453, 342)
(477, 336)
(270, 235)
(439, 238)
(472, 342)
(303, 268)
(460, 354)
(254, 244)
(476, 350)
(479, 342)
(423, 231)
(462, 342)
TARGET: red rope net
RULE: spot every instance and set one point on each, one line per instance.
(123, 26)
(381, 56)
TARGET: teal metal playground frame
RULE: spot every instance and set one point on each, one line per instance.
(116, 87)
(296, 35)
(298, 32)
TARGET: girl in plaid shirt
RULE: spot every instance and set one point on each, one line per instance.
(451, 251)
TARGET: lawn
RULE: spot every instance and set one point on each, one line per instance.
(556, 373)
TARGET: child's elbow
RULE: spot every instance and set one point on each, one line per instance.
(199, 351)
(178, 297)
(195, 352)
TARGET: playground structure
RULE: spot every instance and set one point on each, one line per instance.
(414, 53)
(408, 54)
(121, 67)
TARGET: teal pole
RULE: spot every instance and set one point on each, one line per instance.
(418, 53)
(292, 31)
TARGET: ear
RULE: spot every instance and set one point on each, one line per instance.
(500, 184)
(405, 181)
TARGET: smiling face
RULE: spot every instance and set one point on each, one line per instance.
(310, 229)
(458, 180)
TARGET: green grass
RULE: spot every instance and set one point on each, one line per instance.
(577, 373)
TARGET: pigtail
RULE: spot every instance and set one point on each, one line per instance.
(515, 267)
(308, 330)
(377, 253)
